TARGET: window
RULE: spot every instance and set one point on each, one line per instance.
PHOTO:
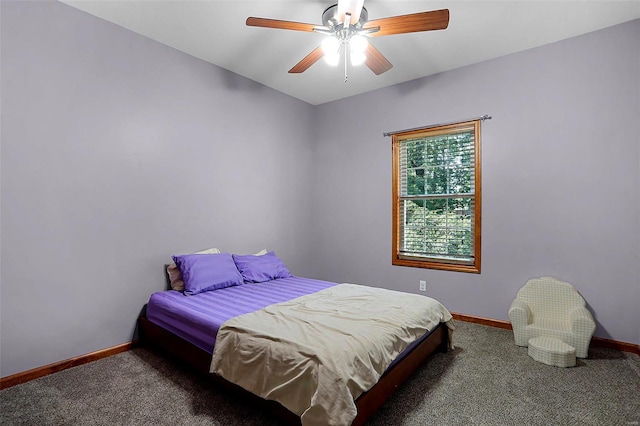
(436, 197)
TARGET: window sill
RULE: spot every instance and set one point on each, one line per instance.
(427, 264)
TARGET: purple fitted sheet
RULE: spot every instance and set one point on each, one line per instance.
(198, 318)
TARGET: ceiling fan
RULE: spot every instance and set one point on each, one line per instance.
(347, 28)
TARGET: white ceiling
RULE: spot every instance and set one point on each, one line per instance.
(215, 31)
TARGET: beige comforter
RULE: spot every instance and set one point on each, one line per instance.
(317, 353)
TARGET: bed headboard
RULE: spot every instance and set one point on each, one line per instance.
(167, 281)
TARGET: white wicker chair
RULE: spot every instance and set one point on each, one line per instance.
(552, 308)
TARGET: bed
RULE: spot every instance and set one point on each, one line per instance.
(225, 332)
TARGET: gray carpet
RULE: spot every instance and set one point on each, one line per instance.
(486, 380)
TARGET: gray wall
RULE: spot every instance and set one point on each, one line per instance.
(560, 172)
(118, 151)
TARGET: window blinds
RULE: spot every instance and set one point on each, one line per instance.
(437, 194)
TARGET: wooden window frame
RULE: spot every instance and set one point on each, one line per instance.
(427, 262)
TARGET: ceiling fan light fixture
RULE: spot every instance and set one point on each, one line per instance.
(357, 58)
(358, 44)
(332, 59)
(330, 46)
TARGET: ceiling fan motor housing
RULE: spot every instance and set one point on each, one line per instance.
(329, 17)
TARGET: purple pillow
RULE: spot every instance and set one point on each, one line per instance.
(206, 272)
(257, 269)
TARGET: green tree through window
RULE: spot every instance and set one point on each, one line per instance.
(436, 192)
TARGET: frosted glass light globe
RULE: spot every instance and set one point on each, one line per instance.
(358, 43)
(330, 45)
(332, 59)
(357, 58)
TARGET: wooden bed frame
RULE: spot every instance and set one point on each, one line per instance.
(155, 336)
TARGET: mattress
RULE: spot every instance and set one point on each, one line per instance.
(198, 318)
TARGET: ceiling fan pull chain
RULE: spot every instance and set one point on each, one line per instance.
(346, 36)
(346, 46)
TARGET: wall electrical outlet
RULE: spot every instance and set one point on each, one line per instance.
(423, 285)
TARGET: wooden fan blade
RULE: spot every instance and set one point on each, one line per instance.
(414, 22)
(276, 23)
(376, 60)
(307, 61)
(354, 7)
